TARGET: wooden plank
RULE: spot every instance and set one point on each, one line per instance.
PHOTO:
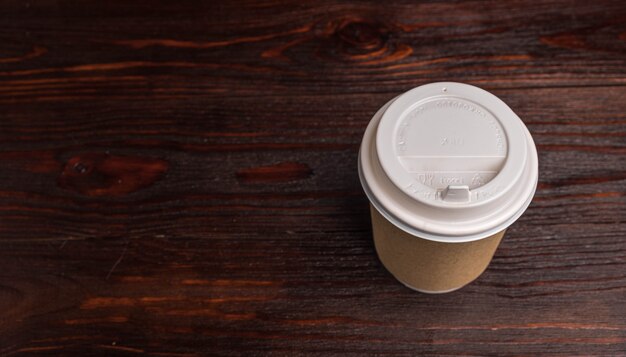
(180, 178)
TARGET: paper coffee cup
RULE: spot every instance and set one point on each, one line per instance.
(447, 167)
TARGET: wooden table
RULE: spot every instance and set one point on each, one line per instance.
(179, 178)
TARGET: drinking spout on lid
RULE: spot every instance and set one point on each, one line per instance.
(456, 193)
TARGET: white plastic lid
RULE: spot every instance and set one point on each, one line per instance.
(448, 162)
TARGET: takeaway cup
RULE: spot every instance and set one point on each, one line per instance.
(447, 167)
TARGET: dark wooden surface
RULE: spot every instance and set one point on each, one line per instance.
(179, 178)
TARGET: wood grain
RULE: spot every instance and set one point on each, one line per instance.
(179, 178)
